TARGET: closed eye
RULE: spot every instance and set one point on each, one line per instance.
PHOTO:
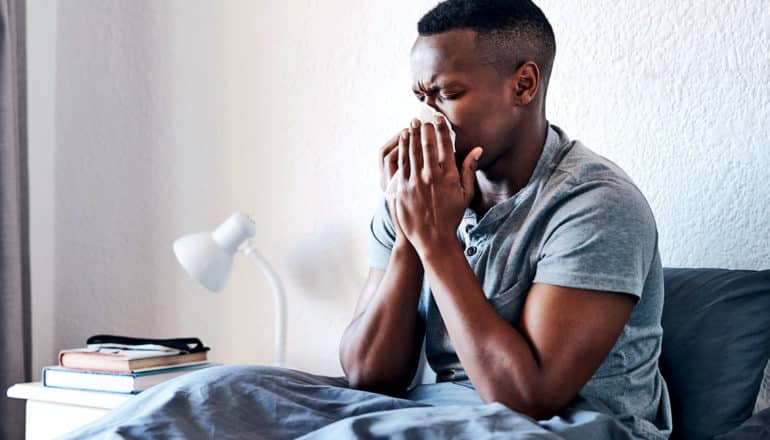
(420, 97)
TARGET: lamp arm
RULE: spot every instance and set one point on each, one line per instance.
(249, 248)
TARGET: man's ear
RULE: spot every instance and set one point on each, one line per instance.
(526, 82)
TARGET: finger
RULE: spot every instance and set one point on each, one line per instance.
(403, 154)
(389, 168)
(469, 167)
(429, 153)
(446, 157)
(388, 148)
(391, 161)
(391, 158)
(415, 149)
(388, 159)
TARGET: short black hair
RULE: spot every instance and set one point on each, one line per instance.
(508, 32)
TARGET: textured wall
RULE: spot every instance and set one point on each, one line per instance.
(677, 94)
(171, 115)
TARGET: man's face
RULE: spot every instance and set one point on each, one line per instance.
(449, 76)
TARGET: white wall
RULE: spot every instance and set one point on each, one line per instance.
(41, 71)
(171, 115)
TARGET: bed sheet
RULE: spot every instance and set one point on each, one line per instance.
(249, 401)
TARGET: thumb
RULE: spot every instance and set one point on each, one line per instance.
(470, 164)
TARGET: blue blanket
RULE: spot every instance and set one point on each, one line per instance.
(256, 402)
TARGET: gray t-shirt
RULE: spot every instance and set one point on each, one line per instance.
(579, 222)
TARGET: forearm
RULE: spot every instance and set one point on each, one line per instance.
(380, 348)
(496, 357)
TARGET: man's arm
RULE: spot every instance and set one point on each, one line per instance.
(380, 349)
(563, 337)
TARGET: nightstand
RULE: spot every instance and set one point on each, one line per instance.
(52, 412)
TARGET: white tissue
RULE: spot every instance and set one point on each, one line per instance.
(425, 114)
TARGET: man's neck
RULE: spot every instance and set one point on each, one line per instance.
(511, 172)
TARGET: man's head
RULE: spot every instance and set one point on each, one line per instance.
(485, 64)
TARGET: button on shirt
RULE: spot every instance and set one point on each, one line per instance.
(579, 222)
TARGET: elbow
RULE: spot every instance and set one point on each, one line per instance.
(542, 411)
(359, 377)
(353, 365)
(359, 380)
(535, 410)
(355, 375)
(534, 403)
(375, 380)
(376, 383)
(381, 373)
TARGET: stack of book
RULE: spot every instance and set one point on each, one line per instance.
(118, 368)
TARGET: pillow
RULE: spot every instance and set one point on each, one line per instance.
(716, 343)
(757, 427)
(763, 399)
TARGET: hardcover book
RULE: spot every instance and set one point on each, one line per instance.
(125, 358)
(127, 383)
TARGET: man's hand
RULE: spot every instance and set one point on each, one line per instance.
(388, 156)
(432, 193)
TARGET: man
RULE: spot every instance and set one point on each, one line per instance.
(527, 263)
(532, 270)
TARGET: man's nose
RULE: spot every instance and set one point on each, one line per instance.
(431, 102)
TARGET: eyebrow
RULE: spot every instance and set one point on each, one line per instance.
(435, 88)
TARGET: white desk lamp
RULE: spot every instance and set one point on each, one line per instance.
(208, 256)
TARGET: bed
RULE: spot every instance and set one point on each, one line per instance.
(715, 349)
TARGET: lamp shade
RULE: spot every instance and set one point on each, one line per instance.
(204, 260)
(208, 256)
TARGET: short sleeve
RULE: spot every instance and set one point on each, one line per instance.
(601, 236)
(382, 236)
